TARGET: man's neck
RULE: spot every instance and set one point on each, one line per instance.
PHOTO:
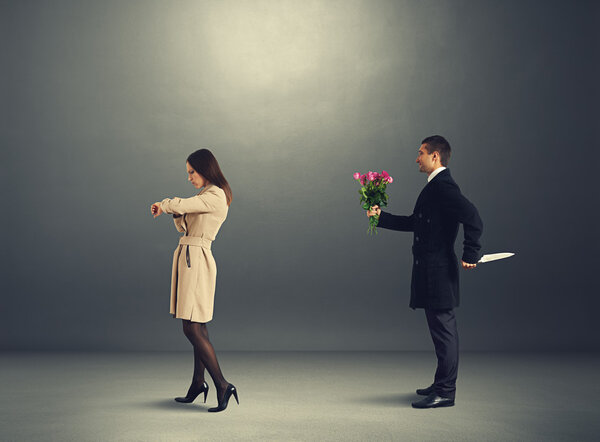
(431, 175)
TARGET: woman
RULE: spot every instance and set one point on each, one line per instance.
(194, 270)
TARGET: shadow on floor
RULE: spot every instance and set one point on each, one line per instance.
(392, 400)
(170, 404)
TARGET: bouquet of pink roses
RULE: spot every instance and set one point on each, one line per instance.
(372, 193)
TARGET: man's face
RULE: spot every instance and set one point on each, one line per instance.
(425, 160)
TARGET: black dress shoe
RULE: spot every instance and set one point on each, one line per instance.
(434, 401)
(425, 391)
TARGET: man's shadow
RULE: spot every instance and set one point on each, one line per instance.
(391, 400)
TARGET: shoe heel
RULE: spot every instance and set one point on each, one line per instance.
(236, 396)
(205, 394)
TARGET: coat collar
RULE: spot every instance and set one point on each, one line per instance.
(435, 173)
(204, 189)
(441, 176)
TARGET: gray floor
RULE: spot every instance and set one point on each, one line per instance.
(297, 396)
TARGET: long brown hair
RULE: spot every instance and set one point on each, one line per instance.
(205, 163)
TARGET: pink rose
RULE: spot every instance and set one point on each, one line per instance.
(384, 174)
(356, 176)
(363, 179)
(390, 179)
(371, 176)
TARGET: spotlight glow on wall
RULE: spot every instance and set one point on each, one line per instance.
(266, 42)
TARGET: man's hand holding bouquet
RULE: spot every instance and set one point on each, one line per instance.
(372, 193)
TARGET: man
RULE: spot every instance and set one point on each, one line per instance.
(434, 286)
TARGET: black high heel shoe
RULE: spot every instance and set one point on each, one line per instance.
(193, 394)
(231, 390)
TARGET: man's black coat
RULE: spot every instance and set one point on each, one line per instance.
(437, 213)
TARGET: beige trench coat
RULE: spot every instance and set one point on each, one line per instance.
(194, 274)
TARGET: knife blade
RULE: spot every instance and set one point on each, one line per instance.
(494, 257)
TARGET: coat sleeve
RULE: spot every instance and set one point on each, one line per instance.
(179, 223)
(209, 201)
(396, 222)
(459, 208)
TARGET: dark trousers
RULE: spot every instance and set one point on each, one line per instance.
(442, 326)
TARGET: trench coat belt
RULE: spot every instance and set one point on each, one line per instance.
(194, 241)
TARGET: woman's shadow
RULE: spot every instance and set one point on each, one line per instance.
(170, 404)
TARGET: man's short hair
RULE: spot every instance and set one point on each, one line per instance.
(439, 144)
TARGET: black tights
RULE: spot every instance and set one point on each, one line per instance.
(204, 357)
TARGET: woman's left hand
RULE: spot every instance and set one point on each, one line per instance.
(156, 210)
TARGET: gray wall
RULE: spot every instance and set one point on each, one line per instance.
(105, 99)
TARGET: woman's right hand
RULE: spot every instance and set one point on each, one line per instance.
(375, 210)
